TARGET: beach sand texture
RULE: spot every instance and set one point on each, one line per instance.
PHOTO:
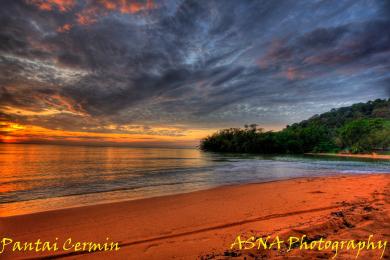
(203, 224)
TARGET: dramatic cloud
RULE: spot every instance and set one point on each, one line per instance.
(166, 68)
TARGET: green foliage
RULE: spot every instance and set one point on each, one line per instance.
(362, 127)
(364, 135)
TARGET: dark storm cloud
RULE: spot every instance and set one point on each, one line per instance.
(191, 62)
(333, 46)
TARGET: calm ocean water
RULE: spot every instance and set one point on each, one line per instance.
(36, 178)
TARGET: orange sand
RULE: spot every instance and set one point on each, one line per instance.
(203, 224)
(369, 156)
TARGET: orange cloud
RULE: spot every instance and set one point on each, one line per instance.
(46, 105)
(6, 128)
(134, 7)
(291, 73)
(64, 104)
(127, 6)
(48, 5)
(88, 16)
(66, 27)
(91, 14)
(16, 133)
(109, 5)
(93, 10)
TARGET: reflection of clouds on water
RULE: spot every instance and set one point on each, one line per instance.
(63, 175)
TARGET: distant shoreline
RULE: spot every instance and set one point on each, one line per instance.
(369, 156)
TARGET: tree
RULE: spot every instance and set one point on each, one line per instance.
(362, 127)
(359, 135)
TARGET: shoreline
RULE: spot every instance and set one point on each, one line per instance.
(200, 223)
(114, 202)
(368, 156)
(145, 198)
(153, 197)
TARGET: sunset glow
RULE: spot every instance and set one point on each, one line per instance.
(168, 73)
(165, 136)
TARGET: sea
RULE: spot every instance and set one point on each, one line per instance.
(36, 177)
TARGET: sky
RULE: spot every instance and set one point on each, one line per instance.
(168, 73)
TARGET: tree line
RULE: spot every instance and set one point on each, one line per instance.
(360, 128)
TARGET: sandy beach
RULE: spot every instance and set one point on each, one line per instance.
(349, 155)
(204, 224)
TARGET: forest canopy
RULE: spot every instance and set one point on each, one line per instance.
(360, 128)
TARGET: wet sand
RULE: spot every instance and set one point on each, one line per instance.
(368, 156)
(204, 224)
